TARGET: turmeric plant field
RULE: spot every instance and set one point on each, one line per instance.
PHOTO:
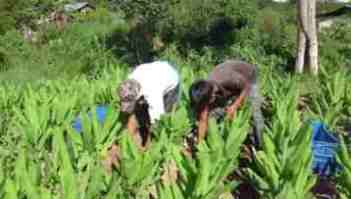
(42, 156)
(57, 65)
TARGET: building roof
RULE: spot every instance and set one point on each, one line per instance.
(77, 6)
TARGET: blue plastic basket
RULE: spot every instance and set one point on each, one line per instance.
(324, 147)
(101, 112)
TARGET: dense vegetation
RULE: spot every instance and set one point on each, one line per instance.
(48, 81)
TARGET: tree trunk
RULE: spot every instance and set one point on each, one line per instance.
(300, 60)
(312, 37)
(307, 51)
(301, 35)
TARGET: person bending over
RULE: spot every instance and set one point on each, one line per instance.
(151, 90)
(226, 88)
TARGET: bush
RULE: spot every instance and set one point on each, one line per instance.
(72, 52)
(200, 23)
(15, 13)
(335, 46)
(195, 24)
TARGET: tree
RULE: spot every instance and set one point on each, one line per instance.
(307, 52)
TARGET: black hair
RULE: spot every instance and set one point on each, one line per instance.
(143, 118)
(200, 94)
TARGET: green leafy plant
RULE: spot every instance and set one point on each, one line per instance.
(344, 179)
(216, 158)
(283, 167)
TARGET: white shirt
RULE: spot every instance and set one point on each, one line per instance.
(156, 79)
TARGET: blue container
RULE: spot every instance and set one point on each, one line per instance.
(324, 147)
(101, 113)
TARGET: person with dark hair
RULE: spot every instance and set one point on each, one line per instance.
(151, 90)
(226, 88)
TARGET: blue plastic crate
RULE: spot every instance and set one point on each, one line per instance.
(101, 113)
(324, 148)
